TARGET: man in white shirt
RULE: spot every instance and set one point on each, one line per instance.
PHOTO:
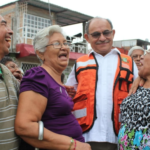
(99, 33)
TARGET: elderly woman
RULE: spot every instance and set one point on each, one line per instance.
(43, 97)
(135, 113)
(136, 52)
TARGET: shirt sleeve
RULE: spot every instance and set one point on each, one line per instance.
(71, 81)
(34, 80)
(135, 71)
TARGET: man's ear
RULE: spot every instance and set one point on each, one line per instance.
(86, 37)
(114, 33)
(40, 55)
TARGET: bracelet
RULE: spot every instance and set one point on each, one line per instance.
(71, 142)
(41, 130)
(75, 144)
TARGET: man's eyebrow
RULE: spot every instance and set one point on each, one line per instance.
(3, 21)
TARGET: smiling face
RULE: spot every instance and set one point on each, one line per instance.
(136, 55)
(54, 56)
(144, 69)
(102, 44)
(5, 37)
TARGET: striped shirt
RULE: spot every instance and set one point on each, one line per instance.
(9, 90)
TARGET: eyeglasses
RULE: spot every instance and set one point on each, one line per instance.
(146, 51)
(136, 56)
(58, 45)
(105, 33)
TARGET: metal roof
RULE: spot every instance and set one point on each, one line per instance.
(138, 40)
(64, 16)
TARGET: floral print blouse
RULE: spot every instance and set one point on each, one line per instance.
(134, 133)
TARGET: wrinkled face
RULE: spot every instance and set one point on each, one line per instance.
(101, 44)
(14, 69)
(5, 37)
(136, 55)
(144, 69)
(57, 52)
(11, 66)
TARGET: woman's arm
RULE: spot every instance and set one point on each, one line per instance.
(30, 110)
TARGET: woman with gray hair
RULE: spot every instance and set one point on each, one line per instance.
(136, 52)
(43, 97)
(134, 133)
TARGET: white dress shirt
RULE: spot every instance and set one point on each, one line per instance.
(102, 130)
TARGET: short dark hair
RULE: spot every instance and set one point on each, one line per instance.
(5, 60)
(88, 23)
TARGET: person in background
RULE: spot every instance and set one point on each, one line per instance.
(9, 90)
(102, 79)
(136, 52)
(44, 97)
(13, 67)
(135, 113)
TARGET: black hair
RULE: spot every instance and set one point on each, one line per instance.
(5, 60)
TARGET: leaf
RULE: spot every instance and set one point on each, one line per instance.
(142, 141)
(131, 134)
(144, 131)
(132, 142)
(119, 141)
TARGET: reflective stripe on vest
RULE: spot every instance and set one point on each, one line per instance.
(80, 113)
(86, 63)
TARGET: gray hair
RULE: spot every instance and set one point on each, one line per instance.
(135, 48)
(41, 39)
(88, 23)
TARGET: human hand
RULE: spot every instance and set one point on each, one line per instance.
(137, 82)
(70, 90)
(82, 146)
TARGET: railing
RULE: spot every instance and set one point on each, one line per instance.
(22, 37)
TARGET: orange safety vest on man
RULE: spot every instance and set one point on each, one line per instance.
(85, 99)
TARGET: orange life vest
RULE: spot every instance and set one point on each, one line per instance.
(85, 99)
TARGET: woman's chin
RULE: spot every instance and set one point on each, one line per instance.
(64, 65)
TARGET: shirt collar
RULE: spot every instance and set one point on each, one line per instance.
(114, 50)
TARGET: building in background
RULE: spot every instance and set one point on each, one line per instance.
(27, 17)
(127, 44)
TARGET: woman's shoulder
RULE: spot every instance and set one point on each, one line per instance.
(35, 73)
(35, 79)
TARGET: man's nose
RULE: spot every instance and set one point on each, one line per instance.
(139, 57)
(102, 37)
(18, 70)
(10, 31)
